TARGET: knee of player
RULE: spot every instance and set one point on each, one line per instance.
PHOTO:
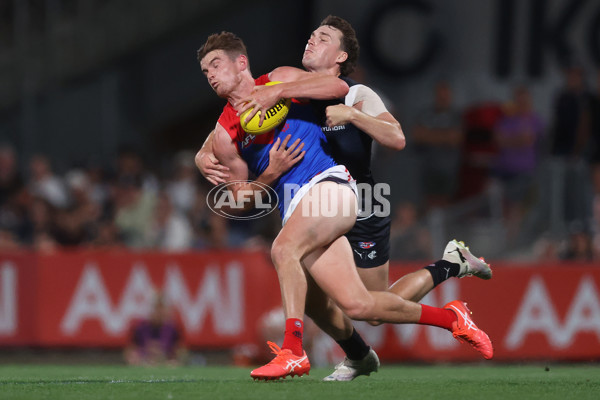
(282, 251)
(358, 308)
(278, 253)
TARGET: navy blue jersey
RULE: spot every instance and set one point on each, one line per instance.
(349, 145)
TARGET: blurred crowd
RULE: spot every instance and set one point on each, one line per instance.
(501, 146)
(127, 207)
(462, 153)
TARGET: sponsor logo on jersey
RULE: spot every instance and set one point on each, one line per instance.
(333, 128)
(366, 245)
(248, 139)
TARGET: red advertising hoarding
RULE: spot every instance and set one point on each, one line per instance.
(90, 299)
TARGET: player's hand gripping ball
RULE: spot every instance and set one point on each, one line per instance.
(273, 117)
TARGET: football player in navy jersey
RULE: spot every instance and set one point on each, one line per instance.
(351, 124)
(329, 268)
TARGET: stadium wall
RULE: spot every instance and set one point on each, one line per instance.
(221, 299)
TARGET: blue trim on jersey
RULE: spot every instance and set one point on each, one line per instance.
(300, 123)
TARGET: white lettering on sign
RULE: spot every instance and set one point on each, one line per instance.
(223, 300)
(584, 313)
(537, 314)
(91, 301)
(8, 299)
(137, 299)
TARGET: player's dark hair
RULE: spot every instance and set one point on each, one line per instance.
(349, 42)
(226, 41)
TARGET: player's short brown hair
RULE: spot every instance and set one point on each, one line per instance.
(227, 41)
(349, 42)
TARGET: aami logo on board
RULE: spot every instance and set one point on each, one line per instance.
(220, 292)
(537, 314)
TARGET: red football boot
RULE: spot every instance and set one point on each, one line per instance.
(285, 363)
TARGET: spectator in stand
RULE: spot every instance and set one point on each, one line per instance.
(545, 249)
(265, 231)
(409, 239)
(99, 185)
(571, 133)
(170, 229)
(41, 214)
(517, 136)
(438, 136)
(182, 188)
(211, 231)
(156, 340)
(578, 246)
(130, 163)
(478, 148)
(45, 184)
(571, 125)
(8, 240)
(77, 224)
(134, 210)
(12, 218)
(108, 235)
(11, 181)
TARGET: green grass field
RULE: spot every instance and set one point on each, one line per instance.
(458, 382)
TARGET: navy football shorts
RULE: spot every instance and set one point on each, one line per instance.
(370, 241)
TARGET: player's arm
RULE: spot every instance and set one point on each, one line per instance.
(207, 163)
(226, 153)
(297, 84)
(281, 158)
(300, 84)
(369, 114)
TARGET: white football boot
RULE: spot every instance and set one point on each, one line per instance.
(456, 252)
(347, 370)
